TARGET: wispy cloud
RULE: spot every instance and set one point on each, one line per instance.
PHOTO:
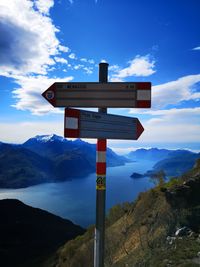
(61, 60)
(78, 67)
(175, 91)
(196, 48)
(164, 124)
(88, 70)
(139, 66)
(64, 49)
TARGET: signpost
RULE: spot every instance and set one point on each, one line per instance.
(89, 124)
(100, 95)
(100, 125)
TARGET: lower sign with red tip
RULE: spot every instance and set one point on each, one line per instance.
(89, 124)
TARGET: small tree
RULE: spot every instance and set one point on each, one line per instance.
(159, 178)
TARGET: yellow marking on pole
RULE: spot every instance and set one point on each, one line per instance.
(101, 182)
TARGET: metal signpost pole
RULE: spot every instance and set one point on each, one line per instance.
(100, 185)
(101, 95)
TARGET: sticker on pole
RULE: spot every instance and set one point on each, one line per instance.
(101, 183)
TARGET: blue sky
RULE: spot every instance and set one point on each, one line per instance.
(44, 41)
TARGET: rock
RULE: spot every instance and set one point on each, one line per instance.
(136, 175)
(184, 231)
(171, 240)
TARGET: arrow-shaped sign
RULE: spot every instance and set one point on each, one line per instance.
(99, 95)
(89, 124)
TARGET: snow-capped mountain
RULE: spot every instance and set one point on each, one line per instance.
(49, 158)
(48, 138)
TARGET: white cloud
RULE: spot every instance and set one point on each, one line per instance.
(139, 66)
(61, 60)
(72, 56)
(28, 95)
(175, 91)
(22, 25)
(78, 67)
(115, 79)
(44, 5)
(196, 48)
(63, 48)
(83, 59)
(88, 70)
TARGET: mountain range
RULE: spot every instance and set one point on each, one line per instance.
(49, 158)
(52, 158)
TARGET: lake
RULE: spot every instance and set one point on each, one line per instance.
(75, 200)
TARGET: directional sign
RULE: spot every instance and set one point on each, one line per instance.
(88, 124)
(111, 95)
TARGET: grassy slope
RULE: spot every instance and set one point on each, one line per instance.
(136, 233)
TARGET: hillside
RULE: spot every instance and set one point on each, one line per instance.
(29, 235)
(20, 167)
(161, 228)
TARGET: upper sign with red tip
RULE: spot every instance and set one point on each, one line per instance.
(100, 95)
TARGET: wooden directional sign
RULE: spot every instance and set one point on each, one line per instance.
(88, 124)
(89, 94)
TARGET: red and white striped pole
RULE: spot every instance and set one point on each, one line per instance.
(100, 185)
(101, 164)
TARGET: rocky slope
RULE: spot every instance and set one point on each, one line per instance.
(161, 228)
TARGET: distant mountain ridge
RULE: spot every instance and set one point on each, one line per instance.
(155, 154)
(172, 162)
(49, 158)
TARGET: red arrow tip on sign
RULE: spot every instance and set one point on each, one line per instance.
(49, 94)
(139, 130)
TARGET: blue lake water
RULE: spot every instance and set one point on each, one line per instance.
(75, 199)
